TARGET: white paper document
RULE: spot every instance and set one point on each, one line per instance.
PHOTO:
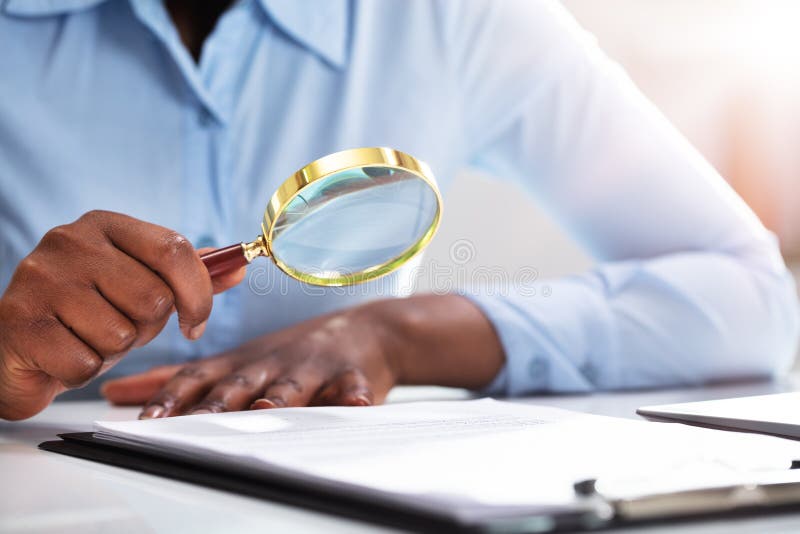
(482, 453)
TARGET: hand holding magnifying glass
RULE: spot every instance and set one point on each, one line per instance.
(346, 218)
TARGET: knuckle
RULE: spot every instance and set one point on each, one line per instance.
(58, 235)
(351, 373)
(83, 368)
(154, 304)
(94, 216)
(238, 380)
(120, 338)
(175, 245)
(193, 372)
(34, 269)
(72, 241)
(290, 382)
(163, 398)
(162, 303)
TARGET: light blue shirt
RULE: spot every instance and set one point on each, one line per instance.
(101, 107)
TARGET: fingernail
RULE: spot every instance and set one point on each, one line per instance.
(196, 331)
(200, 411)
(152, 412)
(361, 400)
(263, 404)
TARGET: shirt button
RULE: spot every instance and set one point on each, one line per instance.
(537, 369)
(205, 241)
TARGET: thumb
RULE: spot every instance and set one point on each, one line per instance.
(223, 282)
(137, 389)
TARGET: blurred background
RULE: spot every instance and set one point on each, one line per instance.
(725, 72)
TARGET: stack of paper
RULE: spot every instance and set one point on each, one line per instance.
(471, 458)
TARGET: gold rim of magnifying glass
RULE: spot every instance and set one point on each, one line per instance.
(336, 163)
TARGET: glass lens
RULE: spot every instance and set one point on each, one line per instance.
(353, 221)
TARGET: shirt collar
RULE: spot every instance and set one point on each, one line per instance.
(322, 26)
(35, 8)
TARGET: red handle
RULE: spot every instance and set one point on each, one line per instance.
(224, 260)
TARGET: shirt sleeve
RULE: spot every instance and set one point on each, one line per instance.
(688, 287)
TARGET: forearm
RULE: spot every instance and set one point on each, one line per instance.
(438, 339)
(684, 318)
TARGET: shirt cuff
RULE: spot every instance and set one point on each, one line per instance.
(554, 340)
(498, 386)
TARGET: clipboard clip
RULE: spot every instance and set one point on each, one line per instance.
(783, 491)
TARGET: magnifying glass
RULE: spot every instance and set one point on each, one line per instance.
(346, 218)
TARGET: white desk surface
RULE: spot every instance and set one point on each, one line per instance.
(47, 492)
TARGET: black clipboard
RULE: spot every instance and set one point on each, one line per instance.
(287, 490)
(295, 492)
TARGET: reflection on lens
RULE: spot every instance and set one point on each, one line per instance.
(353, 221)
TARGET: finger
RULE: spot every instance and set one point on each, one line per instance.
(59, 353)
(186, 388)
(350, 388)
(295, 388)
(139, 293)
(137, 389)
(175, 260)
(223, 282)
(99, 324)
(238, 390)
